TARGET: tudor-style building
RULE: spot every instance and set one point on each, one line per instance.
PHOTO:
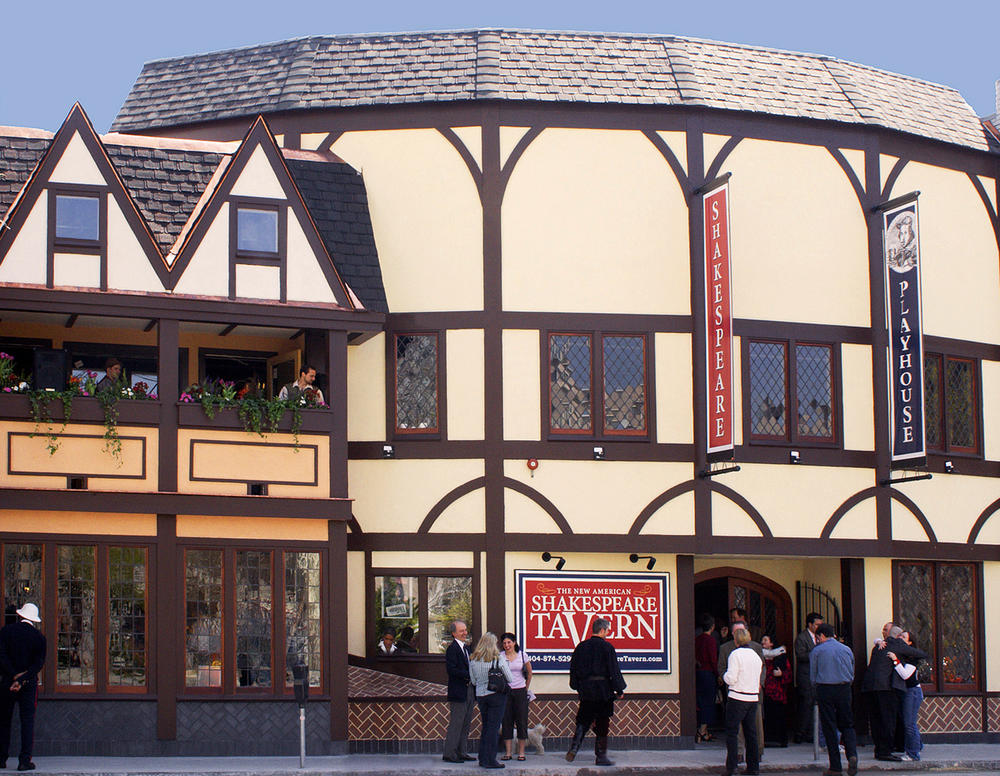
(534, 377)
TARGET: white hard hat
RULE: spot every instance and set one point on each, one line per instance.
(29, 612)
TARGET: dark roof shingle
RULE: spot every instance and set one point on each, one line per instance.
(165, 185)
(335, 194)
(349, 70)
(18, 158)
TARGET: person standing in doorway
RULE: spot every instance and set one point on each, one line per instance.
(724, 652)
(742, 675)
(804, 644)
(22, 654)
(831, 672)
(597, 679)
(461, 696)
(706, 657)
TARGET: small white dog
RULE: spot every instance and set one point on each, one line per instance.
(535, 738)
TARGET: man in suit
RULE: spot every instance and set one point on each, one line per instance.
(804, 644)
(461, 696)
(880, 690)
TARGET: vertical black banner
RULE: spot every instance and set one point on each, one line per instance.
(906, 351)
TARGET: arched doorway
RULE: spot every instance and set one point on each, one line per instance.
(768, 604)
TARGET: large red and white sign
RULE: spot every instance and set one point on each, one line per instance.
(555, 612)
(719, 321)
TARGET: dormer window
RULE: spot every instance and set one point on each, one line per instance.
(78, 218)
(257, 230)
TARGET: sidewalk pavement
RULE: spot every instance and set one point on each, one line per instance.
(703, 759)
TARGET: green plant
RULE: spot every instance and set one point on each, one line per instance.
(41, 413)
(112, 442)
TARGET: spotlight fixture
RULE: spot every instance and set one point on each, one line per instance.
(598, 453)
(547, 556)
(388, 451)
(949, 467)
(636, 558)
(793, 456)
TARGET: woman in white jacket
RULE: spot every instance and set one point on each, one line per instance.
(743, 677)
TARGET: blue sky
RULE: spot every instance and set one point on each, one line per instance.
(53, 54)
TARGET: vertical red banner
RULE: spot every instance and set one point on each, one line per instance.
(719, 322)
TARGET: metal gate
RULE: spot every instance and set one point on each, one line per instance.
(813, 598)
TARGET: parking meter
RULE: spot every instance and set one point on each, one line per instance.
(300, 676)
(300, 679)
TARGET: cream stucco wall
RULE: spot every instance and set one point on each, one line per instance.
(357, 643)
(305, 280)
(97, 523)
(960, 270)
(255, 281)
(283, 529)
(799, 240)
(76, 270)
(950, 502)
(559, 683)
(674, 408)
(472, 139)
(249, 456)
(396, 495)
(991, 409)
(366, 390)
(858, 393)
(522, 400)
(596, 496)
(80, 452)
(128, 266)
(257, 179)
(991, 617)
(594, 221)
(878, 596)
(76, 165)
(801, 507)
(426, 217)
(208, 272)
(26, 258)
(419, 560)
(465, 357)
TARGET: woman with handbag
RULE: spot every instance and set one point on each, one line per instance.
(491, 676)
(517, 699)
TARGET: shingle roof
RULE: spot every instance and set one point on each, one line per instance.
(336, 198)
(165, 185)
(18, 157)
(348, 70)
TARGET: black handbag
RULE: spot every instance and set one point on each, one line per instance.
(496, 681)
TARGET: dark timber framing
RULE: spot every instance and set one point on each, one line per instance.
(491, 547)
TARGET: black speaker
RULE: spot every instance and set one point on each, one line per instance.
(51, 370)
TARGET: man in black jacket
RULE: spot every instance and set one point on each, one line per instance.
(461, 696)
(878, 688)
(597, 679)
(22, 654)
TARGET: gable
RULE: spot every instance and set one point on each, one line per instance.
(255, 238)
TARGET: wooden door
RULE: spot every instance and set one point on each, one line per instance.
(768, 612)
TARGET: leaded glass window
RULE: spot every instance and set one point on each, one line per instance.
(303, 631)
(254, 601)
(813, 390)
(951, 399)
(203, 618)
(624, 384)
(416, 383)
(599, 376)
(126, 617)
(768, 389)
(22, 574)
(790, 374)
(938, 604)
(75, 626)
(570, 371)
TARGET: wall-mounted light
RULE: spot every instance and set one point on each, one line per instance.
(388, 451)
(636, 558)
(949, 467)
(598, 453)
(547, 556)
(793, 456)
